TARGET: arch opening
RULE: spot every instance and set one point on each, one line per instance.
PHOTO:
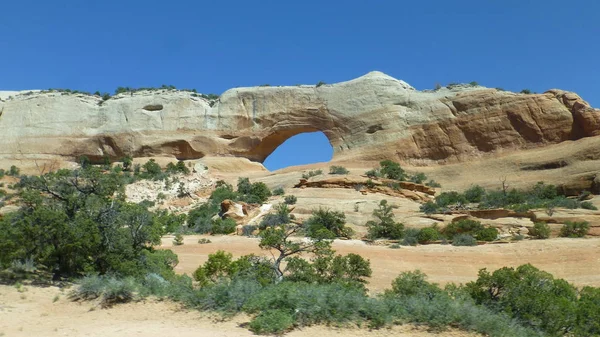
(301, 149)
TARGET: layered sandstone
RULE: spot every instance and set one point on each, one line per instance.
(369, 118)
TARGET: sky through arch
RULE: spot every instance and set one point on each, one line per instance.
(301, 149)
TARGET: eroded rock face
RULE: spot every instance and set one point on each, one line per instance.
(369, 118)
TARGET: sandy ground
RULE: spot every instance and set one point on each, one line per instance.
(576, 260)
(35, 311)
(41, 312)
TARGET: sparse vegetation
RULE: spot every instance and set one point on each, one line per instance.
(338, 170)
(386, 226)
(575, 229)
(540, 230)
(464, 240)
(311, 174)
(278, 191)
(290, 199)
(327, 220)
(541, 196)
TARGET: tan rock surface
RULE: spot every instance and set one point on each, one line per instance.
(370, 118)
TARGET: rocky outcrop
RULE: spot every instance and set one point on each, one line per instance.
(370, 118)
(412, 191)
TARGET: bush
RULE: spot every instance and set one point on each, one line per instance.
(278, 191)
(374, 173)
(487, 234)
(338, 170)
(418, 178)
(464, 226)
(271, 322)
(13, 171)
(290, 199)
(474, 193)
(204, 241)
(413, 283)
(464, 240)
(428, 208)
(428, 234)
(411, 237)
(386, 227)
(248, 230)
(223, 226)
(540, 230)
(311, 174)
(526, 91)
(177, 168)
(532, 296)
(117, 291)
(280, 217)
(178, 240)
(332, 221)
(392, 170)
(577, 229)
(88, 288)
(200, 218)
(588, 205)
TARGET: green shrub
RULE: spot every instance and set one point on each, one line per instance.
(588, 205)
(487, 234)
(413, 283)
(418, 178)
(429, 207)
(464, 240)
(433, 183)
(338, 170)
(332, 221)
(280, 217)
(385, 227)
(320, 83)
(576, 229)
(223, 226)
(445, 199)
(248, 230)
(392, 170)
(410, 237)
(374, 173)
(13, 171)
(178, 240)
(526, 91)
(88, 288)
(200, 218)
(204, 241)
(271, 322)
(540, 230)
(532, 296)
(290, 199)
(588, 312)
(118, 291)
(474, 193)
(428, 234)
(278, 191)
(463, 226)
(311, 174)
(177, 168)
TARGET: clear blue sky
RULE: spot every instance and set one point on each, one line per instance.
(213, 46)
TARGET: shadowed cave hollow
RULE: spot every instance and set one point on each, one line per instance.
(300, 149)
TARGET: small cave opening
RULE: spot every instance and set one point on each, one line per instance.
(300, 149)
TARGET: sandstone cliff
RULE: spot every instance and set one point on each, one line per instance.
(369, 118)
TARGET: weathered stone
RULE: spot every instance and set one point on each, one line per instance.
(370, 118)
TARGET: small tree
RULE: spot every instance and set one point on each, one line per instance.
(540, 230)
(332, 221)
(386, 227)
(279, 239)
(576, 229)
(392, 170)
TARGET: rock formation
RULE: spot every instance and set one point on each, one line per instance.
(370, 118)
